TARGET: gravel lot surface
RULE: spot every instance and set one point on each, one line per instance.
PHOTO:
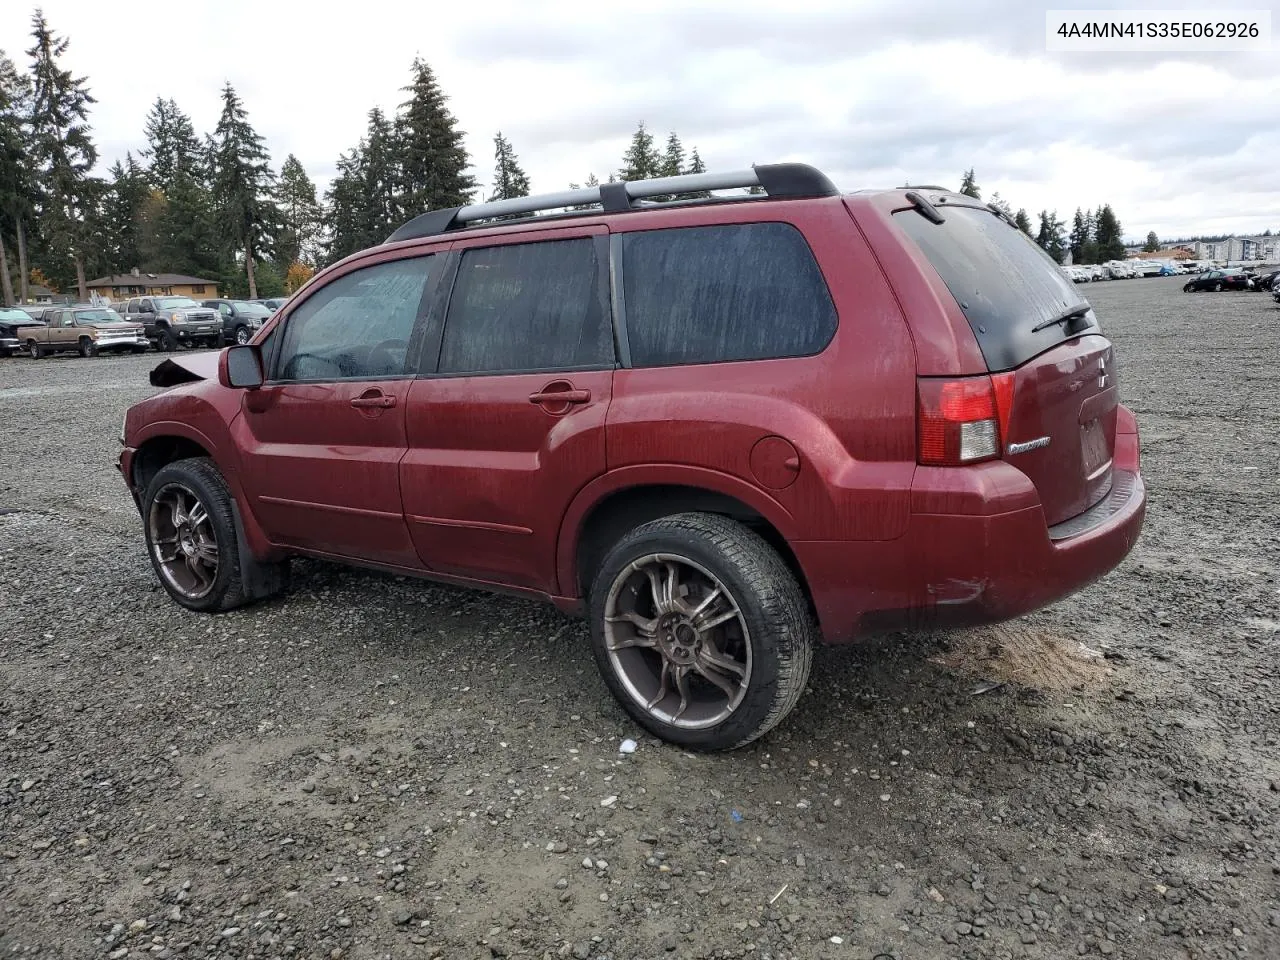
(376, 767)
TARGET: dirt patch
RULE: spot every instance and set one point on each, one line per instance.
(1024, 656)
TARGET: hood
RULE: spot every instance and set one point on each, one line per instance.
(178, 369)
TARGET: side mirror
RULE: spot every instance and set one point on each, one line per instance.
(240, 367)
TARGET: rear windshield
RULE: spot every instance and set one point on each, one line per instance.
(1004, 283)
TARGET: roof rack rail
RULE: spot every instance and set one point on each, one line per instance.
(779, 180)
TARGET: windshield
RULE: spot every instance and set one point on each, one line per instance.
(175, 303)
(245, 308)
(96, 317)
(12, 313)
(1005, 284)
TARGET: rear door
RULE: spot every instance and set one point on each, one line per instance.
(1036, 330)
(321, 441)
(511, 423)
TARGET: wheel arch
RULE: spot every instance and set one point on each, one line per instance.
(618, 502)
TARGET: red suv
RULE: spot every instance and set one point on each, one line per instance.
(720, 427)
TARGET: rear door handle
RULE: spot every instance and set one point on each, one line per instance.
(560, 396)
(379, 401)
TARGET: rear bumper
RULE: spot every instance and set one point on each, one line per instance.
(971, 567)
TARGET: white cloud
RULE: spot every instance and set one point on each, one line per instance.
(875, 93)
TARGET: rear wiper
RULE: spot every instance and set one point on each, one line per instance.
(924, 207)
(1071, 313)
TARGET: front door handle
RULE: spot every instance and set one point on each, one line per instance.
(560, 396)
(378, 400)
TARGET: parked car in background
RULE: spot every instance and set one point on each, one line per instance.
(1098, 272)
(86, 330)
(241, 319)
(1275, 290)
(171, 322)
(1266, 280)
(12, 321)
(800, 424)
(1228, 278)
(272, 303)
(1146, 268)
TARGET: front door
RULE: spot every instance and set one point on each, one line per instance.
(323, 438)
(511, 424)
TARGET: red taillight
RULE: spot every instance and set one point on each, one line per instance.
(961, 421)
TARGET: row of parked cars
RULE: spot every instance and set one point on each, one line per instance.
(1122, 270)
(136, 325)
(1235, 278)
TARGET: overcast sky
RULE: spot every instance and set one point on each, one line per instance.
(876, 94)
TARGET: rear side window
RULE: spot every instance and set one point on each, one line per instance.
(1004, 283)
(526, 307)
(747, 291)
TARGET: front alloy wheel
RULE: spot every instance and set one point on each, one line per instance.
(243, 335)
(184, 543)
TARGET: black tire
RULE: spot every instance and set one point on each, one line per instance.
(229, 590)
(242, 335)
(1187, 288)
(33, 349)
(167, 342)
(87, 347)
(781, 628)
(214, 343)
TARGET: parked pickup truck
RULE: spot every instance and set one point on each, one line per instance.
(170, 321)
(13, 320)
(88, 331)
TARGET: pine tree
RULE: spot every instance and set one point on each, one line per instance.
(1001, 203)
(242, 185)
(673, 159)
(1152, 244)
(509, 178)
(62, 152)
(1090, 246)
(641, 160)
(172, 145)
(1023, 221)
(969, 185)
(300, 220)
(15, 183)
(1109, 235)
(346, 213)
(431, 157)
(1079, 237)
(127, 191)
(380, 155)
(1050, 235)
(697, 166)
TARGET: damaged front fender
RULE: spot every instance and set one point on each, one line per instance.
(175, 370)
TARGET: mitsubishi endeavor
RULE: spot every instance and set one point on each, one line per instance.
(724, 428)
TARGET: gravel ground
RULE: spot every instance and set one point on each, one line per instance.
(376, 767)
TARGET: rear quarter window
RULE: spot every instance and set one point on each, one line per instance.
(1005, 285)
(720, 293)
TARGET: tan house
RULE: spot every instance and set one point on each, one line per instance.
(138, 284)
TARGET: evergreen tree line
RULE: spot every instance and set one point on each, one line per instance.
(208, 206)
(1094, 236)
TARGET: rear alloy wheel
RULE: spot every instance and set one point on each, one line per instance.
(700, 631)
(87, 347)
(191, 538)
(33, 348)
(1217, 288)
(243, 335)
